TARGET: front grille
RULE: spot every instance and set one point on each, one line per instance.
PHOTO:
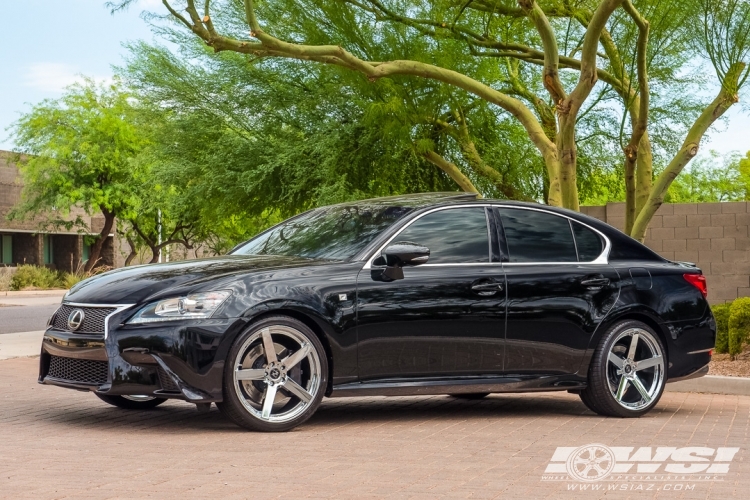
(81, 371)
(93, 318)
(167, 384)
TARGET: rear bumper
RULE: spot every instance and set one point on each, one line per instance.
(696, 374)
(181, 361)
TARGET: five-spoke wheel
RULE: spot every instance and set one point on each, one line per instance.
(627, 374)
(276, 375)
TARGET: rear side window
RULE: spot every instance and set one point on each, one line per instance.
(533, 236)
(454, 236)
(589, 243)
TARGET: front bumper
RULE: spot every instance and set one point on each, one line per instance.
(182, 360)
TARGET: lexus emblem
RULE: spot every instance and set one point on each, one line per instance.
(75, 319)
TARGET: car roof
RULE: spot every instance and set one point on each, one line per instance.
(428, 200)
(416, 200)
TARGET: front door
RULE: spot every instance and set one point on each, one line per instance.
(446, 317)
(558, 289)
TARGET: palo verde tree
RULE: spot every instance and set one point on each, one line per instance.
(79, 151)
(551, 56)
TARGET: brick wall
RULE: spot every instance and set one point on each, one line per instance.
(712, 235)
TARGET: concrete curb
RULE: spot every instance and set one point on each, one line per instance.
(34, 293)
(713, 384)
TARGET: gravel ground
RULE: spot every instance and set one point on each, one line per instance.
(721, 364)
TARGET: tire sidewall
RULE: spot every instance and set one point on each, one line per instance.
(233, 407)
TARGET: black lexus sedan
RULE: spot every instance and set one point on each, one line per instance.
(438, 293)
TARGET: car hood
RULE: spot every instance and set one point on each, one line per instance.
(133, 285)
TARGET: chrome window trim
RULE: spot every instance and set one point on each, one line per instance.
(376, 253)
(603, 257)
(118, 309)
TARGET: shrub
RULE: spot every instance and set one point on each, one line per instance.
(721, 314)
(739, 325)
(34, 277)
(4, 281)
(67, 280)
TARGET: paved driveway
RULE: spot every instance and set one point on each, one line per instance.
(57, 443)
(26, 314)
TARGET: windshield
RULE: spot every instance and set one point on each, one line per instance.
(334, 233)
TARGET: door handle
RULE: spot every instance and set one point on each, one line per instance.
(595, 282)
(487, 288)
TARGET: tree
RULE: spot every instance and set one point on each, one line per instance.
(710, 179)
(79, 152)
(562, 47)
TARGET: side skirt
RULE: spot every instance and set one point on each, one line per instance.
(426, 387)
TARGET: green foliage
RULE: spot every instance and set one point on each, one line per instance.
(80, 149)
(721, 315)
(5, 278)
(43, 278)
(739, 325)
(35, 277)
(712, 179)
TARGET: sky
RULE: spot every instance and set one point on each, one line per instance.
(48, 44)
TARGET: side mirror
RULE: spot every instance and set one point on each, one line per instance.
(396, 256)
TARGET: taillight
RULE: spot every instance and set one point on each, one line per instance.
(698, 281)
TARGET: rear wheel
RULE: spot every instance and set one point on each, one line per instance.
(627, 373)
(275, 376)
(132, 402)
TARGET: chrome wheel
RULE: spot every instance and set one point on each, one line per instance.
(635, 369)
(277, 373)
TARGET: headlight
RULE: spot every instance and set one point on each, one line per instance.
(197, 305)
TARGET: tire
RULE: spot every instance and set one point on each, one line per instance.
(626, 376)
(131, 404)
(470, 395)
(250, 374)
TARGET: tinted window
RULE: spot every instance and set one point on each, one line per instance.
(534, 236)
(336, 233)
(589, 243)
(457, 235)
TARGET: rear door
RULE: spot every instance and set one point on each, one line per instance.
(559, 288)
(446, 317)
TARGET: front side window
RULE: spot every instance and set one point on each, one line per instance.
(332, 233)
(533, 236)
(454, 236)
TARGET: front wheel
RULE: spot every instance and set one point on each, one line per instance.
(275, 376)
(627, 373)
(132, 402)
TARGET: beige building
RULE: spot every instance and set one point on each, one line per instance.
(29, 242)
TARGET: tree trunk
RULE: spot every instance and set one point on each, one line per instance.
(644, 173)
(133, 251)
(155, 254)
(554, 191)
(452, 170)
(724, 100)
(566, 147)
(96, 249)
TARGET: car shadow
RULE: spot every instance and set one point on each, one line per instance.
(178, 416)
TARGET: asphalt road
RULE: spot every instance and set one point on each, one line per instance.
(25, 318)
